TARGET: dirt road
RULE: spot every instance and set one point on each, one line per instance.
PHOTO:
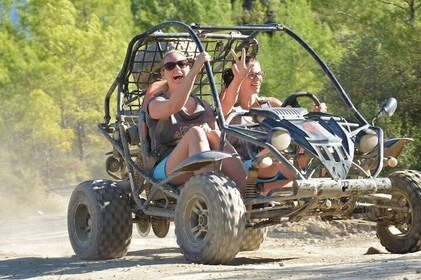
(37, 247)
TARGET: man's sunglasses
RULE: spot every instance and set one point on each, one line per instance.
(171, 65)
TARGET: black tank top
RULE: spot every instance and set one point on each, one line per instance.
(169, 131)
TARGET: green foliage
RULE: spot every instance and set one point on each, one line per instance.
(256, 13)
(381, 60)
(53, 82)
(46, 130)
(61, 56)
(288, 67)
(148, 13)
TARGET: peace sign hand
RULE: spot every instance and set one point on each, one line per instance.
(239, 68)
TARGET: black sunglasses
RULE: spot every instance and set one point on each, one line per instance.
(171, 65)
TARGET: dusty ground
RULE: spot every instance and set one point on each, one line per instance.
(36, 246)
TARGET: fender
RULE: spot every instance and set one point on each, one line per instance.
(393, 147)
(200, 160)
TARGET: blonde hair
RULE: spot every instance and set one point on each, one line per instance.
(167, 53)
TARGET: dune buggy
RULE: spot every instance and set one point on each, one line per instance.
(213, 222)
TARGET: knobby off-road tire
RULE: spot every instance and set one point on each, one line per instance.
(99, 220)
(144, 225)
(253, 238)
(405, 236)
(138, 178)
(210, 219)
(160, 227)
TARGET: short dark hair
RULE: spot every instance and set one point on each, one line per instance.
(227, 76)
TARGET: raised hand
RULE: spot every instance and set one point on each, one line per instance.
(200, 60)
(240, 69)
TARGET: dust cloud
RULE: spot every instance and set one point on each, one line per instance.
(27, 200)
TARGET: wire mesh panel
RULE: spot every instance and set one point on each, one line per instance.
(145, 64)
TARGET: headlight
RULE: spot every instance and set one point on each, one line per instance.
(280, 139)
(390, 161)
(367, 140)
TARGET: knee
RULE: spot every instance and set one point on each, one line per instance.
(196, 133)
(215, 134)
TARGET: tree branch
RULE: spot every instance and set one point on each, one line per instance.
(393, 4)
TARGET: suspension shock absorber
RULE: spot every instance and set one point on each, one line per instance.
(251, 183)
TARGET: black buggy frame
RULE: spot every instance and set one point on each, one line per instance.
(155, 43)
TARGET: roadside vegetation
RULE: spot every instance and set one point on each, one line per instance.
(59, 57)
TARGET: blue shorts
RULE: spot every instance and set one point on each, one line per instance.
(159, 171)
(279, 176)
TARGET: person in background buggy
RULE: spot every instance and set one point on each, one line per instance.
(241, 88)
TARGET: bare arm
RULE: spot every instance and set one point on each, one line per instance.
(274, 102)
(229, 96)
(160, 108)
(322, 108)
(153, 89)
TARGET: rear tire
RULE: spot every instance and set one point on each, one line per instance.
(403, 234)
(210, 219)
(144, 225)
(160, 226)
(253, 238)
(99, 220)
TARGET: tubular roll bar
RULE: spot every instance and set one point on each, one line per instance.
(195, 31)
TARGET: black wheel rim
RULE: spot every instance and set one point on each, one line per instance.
(197, 219)
(403, 217)
(83, 222)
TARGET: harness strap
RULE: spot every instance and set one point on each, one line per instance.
(210, 113)
(157, 155)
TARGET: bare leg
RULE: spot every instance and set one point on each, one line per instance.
(273, 170)
(193, 142)
(231, 167)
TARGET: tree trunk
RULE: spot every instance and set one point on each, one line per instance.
(80, 137)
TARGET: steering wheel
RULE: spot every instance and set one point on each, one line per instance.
(292, 99)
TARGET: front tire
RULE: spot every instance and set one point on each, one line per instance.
(99, 220)
(403, 234)
(210, 219)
